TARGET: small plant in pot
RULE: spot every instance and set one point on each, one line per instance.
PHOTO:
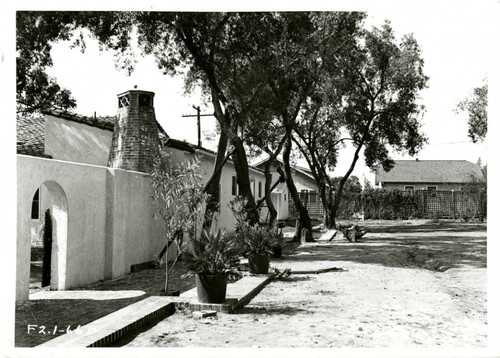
(258, 244)
(209, 258)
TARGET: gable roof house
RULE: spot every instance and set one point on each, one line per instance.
(91, 173)
(429, 175)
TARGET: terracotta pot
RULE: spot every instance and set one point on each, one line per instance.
(211, 288)
(258, 264)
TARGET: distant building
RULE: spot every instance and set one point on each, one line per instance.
(428, 175)
(306, 186)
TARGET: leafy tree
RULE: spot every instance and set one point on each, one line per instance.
(37, 31)
(214, 48)
(35, 89)
(317, 134)
(379, 108)
(476, 108)
(352, 184)
(292, 69)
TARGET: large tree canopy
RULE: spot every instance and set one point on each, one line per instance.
(272, 78)
(381, 110)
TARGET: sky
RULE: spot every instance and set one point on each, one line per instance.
(455, 47)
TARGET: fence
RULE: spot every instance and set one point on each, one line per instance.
(311, 200)
(398, 204)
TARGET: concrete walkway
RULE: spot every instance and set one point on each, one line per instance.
(85, 295)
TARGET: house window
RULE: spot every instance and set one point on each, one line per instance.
(234, 186)
(432, 188)
(35, 206)
(260, 189)
(284, 196)
(312, 197)
(409, 187)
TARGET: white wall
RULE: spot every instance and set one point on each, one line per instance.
(109, 224)
(76, 142)
(102, 218)
(225, 219)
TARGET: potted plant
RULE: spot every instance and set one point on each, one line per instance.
(258, 244)
(209, 258)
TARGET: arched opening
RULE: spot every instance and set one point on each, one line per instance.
(49, 227)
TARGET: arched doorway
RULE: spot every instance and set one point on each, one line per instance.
(52, 214)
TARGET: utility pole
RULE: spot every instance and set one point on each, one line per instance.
(198, 115)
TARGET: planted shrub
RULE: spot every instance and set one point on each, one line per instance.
(256, 239)
(212, 253)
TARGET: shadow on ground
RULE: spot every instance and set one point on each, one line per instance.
(436, 247)
(274, 310)
(39, 321)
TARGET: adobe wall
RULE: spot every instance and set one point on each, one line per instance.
(137, 234)
(103, 221)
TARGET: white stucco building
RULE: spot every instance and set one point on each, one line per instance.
(102, 212)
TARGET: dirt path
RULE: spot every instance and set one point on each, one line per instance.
(398, 290)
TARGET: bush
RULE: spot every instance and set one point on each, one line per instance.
(212, 253)
(256, 239)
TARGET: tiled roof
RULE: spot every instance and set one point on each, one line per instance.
(30, 135)
(104, 122)
(430, 171)
(31, 131)
(178, 144)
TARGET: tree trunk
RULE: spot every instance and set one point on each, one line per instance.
(212, 188)
(329, 218)
(340, 188)
(243, 179)
(273, 214)
(286, 173)
(239, 157)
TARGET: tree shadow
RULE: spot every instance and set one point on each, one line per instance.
(433, 247)
(276, 310)
(295, 278)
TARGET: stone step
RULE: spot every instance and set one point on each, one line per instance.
(110, 328)
(327, 236)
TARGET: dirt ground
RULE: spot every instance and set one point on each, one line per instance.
(404, 285)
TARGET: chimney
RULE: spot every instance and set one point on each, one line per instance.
(135, 137)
